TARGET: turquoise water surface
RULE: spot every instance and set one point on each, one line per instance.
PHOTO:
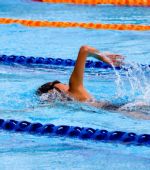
(18, 84)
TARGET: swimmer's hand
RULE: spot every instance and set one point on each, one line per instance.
(112, 59)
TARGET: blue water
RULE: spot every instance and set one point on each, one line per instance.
(18, 85)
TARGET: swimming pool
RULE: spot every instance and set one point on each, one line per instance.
(19, 101)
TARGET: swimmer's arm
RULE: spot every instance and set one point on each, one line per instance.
(135, 114)
(76, 79)
(100, 56)
(111, 59)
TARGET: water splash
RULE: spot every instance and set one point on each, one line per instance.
(138, 79)
(134, 84)
(119, 83)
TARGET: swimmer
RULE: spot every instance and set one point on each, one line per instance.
(75, 90)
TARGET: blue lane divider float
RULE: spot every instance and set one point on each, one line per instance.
(50, 61)
(75, 131)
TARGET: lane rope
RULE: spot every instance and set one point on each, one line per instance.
(41, 62)
(58, 24)
(96, 2)
(22, 60)
(75, 131)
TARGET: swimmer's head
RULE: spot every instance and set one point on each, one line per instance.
(50, 86)
(47, 87)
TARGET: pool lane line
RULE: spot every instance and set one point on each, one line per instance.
(41, 62)
(97, 2)
(84, 133)
(64, 24)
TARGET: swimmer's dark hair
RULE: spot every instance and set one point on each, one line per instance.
(46, 87)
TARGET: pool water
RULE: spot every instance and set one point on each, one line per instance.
(20, 102)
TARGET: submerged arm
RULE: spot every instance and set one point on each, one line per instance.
(114, 108)
(136, 114)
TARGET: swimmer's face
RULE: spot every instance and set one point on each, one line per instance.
(60, 87)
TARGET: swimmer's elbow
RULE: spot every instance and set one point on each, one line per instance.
(84, 48)
(87, 49)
